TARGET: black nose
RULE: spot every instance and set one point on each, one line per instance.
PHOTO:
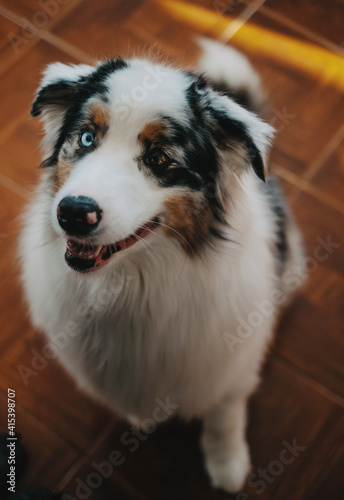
(78, 216)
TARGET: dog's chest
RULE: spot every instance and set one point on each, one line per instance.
(132, 348)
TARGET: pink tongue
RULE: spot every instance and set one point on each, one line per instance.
(81, 250)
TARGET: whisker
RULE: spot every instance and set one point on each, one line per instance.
(163, 238)
(179, 234)
(14, 220)
(146, 243)
(151, 231)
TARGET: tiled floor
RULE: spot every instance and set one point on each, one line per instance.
(298, 48)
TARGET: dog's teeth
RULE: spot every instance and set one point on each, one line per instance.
(97, 251)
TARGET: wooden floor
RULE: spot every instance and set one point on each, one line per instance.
(298, 48)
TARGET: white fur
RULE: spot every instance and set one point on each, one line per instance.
(224, 64)
(151, 323)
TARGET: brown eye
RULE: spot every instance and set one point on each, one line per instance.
(157, 158)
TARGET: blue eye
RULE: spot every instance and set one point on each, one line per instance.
(86, 139)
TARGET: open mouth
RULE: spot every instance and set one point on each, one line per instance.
(83, 257)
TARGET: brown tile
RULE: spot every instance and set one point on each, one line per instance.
(47, 391)
(25, 8)
(288, 410)
(325, 290)
(11, 304)
(330, 178)
(36, 11)
(207, 17)
(49, 455)
(168, 463)
(311, 338)
(10, 290)
(320, 223)
(302, 96)
(330, 483)
(14, 323)
(24, 22)
(101, 29)
(10, 45)
(20, 136)
(21, 155)
(20, 83)
(86, 482)
(35, 17)
(310, 333)
(9, 226)
(316, 16)
(165, 464)
(287, 187)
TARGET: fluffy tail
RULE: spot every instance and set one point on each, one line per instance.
(231, 72)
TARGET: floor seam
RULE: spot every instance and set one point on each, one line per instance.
(302, 30)
(13, 186)
(41, 34)
(237, 23)
(308, 379)
(67, 48)
(330, 147)
(305, 186)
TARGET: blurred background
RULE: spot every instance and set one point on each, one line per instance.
(297, 47)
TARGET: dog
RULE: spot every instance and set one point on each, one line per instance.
(152, 236)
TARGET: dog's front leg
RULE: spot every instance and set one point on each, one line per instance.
(224, 445)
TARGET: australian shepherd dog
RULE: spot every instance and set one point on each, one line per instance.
(157, 251)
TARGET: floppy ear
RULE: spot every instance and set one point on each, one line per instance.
(243, 138)
(58, 95)
(54, 97)
(237, 129)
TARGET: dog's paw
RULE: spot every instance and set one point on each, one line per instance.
(229, 471)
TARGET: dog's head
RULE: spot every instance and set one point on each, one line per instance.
(133, 149)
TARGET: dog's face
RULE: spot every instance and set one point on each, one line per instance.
(132, 148)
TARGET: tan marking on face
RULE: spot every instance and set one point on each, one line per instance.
(152, 132)
(60, 174)
(99, 115)
(100, 118)
(188, 220)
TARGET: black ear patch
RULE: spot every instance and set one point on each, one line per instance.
(64, 92)
(228, 130)
(60, 93)
(70, 96)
